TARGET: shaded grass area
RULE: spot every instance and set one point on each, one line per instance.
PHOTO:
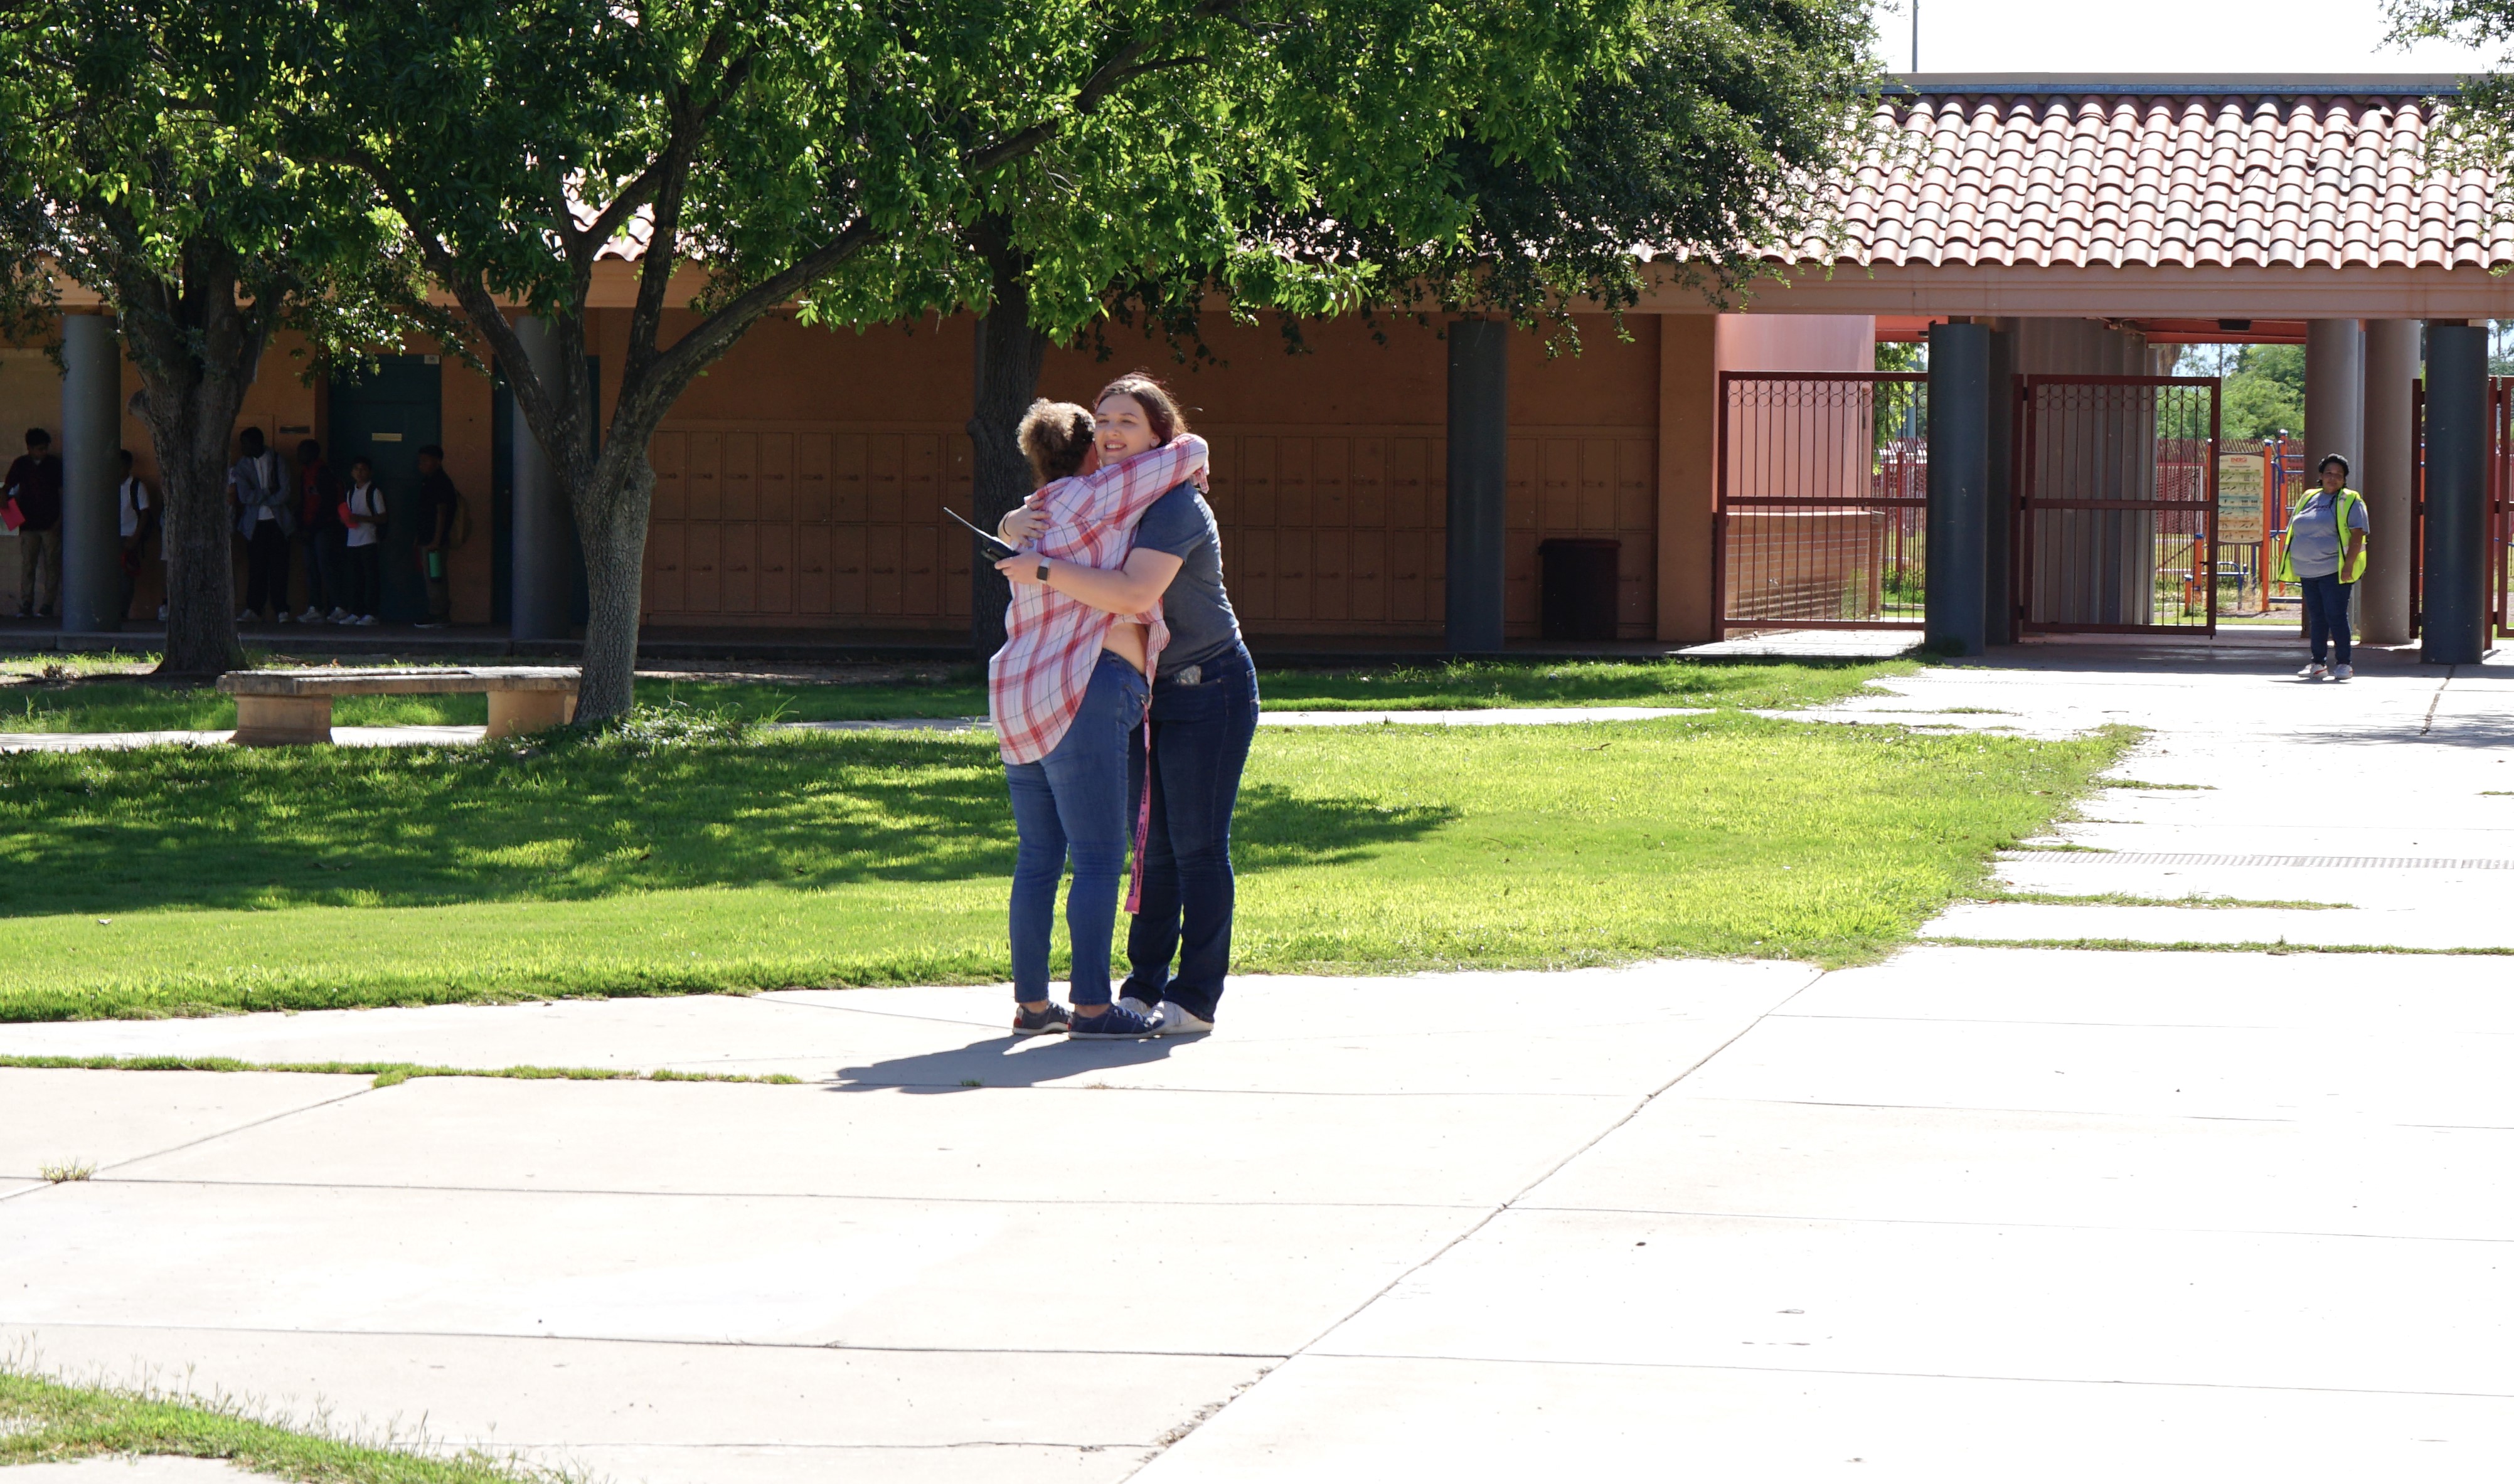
(45, 1422)
(122, 703)
(185, 881)
(385, 1073)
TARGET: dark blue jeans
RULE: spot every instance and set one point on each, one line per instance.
(2326, 616)
(1073, 804)
(1200, 732)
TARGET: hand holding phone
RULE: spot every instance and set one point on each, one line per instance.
(996, 548)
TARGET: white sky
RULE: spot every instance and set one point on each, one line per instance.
(2155, 36)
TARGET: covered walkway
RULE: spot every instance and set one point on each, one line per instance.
(2057, 239)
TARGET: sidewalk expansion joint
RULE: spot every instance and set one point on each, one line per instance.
(2116, 1228)
(2428, 725)
(924, 1199)
(656, 1342)
(2045, 1381)
(194, 1143)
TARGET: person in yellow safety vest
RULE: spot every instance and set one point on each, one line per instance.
(2324, 552)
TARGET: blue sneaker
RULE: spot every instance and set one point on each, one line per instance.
(1114, 1023)
(1040, 1023)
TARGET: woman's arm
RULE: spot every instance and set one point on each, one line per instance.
(1125, 592)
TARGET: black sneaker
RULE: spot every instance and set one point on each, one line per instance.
(1041, 1023)
(1114, 1023)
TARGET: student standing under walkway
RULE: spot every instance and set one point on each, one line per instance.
(318, 513)
(441, 507)
(365, 508)
(2311, 558)
(35, 483)
(266, 517)
(137, 517)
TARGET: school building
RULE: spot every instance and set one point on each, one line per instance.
(2054, 239)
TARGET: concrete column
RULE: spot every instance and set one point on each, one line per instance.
(2455, 626)
(2384, 479)
(2335, 394)
(91, 595)
(537, 606)
(1479, 483)
(1999, 592)
(1959, 536)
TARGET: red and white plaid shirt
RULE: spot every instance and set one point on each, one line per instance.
(1034, 683)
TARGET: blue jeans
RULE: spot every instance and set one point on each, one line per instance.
(1200, 733)
(2326, 615)
(1073, 804)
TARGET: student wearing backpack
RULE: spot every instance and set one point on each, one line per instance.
(138, 518)
(364, 509)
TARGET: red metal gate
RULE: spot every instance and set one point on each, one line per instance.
(2116, 506)
(2500, 499)
(1819, 513)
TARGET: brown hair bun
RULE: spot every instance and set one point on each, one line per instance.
(1055, 437)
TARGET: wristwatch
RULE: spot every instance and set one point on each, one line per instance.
(1043, 571)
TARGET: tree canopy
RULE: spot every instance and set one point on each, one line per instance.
(864, 161)
(143, 158)
(221, 170)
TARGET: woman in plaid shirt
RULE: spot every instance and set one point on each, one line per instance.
(1068, 687)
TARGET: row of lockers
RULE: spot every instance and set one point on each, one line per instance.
(1320, 532)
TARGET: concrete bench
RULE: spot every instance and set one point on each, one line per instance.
(279, 707)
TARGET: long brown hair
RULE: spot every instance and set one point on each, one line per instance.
(1160, 409)
(1055, 436)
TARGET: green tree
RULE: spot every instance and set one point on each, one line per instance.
(850, 156)
(143, 159)
(1670, 141)
(2263, 395)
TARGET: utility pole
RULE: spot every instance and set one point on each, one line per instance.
(1915, 35)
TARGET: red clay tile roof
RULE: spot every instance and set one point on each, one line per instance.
(2116, 180)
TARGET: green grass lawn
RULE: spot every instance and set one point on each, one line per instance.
(180, 880)
(89, 701)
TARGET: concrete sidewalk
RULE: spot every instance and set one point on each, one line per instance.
(1980, 1213)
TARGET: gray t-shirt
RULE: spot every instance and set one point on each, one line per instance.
(1201, 623)
(2313, 549)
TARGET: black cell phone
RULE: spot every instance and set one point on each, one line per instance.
(995, 543)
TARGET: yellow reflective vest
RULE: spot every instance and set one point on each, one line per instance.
(2349, 571)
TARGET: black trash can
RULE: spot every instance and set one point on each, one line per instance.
(1578, 587)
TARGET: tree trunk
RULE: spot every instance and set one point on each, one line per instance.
(612, 524)
(1009, 354)
(191, 418)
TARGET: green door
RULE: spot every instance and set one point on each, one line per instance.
(386, 416)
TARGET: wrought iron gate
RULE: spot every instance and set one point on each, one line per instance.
(2116, 505)
(1820, 499)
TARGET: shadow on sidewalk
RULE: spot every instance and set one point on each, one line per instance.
(998, 1061)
